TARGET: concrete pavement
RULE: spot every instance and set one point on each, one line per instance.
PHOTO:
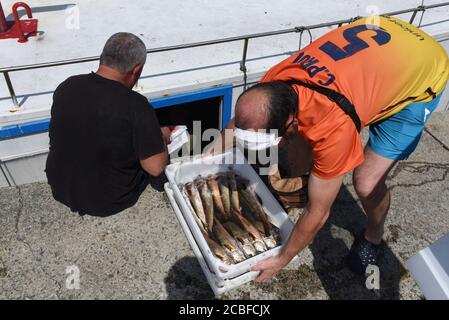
(142, 252)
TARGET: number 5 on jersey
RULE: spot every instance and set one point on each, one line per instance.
(355, 43)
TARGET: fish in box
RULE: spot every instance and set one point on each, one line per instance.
(228, 215)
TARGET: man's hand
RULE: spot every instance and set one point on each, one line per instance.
(322, 193)
(215, 149)
(224, 142)
(166, 133)
(268, 268)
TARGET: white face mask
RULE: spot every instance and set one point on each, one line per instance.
(256, 140)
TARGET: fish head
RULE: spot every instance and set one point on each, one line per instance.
(260, 246)
(249, 250)
(226, 259)
(237, 256)
(270, 242)
(199, 181)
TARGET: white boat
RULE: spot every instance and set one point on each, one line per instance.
(201, 56)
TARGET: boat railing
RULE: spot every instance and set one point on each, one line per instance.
(245, 38)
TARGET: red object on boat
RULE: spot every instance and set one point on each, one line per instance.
(3, 24)
(18, 29)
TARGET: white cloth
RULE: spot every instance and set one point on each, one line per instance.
(256, 140)
(178, 138)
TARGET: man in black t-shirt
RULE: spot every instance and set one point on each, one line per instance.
(105, 139)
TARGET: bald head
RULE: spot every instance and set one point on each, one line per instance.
(266, 105)
(251, 110)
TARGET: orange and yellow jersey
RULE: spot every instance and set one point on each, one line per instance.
(381, 64)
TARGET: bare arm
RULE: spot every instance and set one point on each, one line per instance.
(225, 141)
(156, 164)
(322, 194)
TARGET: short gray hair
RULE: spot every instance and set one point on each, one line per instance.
(123, 51)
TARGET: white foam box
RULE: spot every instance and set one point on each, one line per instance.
(430, 268)
(222, 277)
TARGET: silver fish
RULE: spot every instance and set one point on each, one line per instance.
(215, 190)
(233, 190)
(242, 236)
(196, 202)
(225, 195)
(270, 242)
(257, 239)
(218, 250)
(228, 242)
(249, 198)
(208, 202)
(248, 215)
(187, 200)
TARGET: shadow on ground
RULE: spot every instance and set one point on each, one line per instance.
(329, 272)
(186, 280)
(331, 247)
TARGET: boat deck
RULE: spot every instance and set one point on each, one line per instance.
(143, 253)
(79, 29)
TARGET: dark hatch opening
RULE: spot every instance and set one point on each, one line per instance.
(207, 111)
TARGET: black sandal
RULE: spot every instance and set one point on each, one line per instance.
(362, 254)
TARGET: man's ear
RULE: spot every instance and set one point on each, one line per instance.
(137, 71)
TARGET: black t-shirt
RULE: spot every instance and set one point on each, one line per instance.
(99, 130)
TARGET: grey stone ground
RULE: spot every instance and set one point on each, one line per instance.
(142, 253)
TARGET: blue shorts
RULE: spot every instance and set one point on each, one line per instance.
(397, 136)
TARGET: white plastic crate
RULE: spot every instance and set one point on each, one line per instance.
(222, 277)
(430, 268)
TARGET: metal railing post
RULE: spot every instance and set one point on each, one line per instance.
(246, 38)
(422, 16)
(11, 90)
(243, 63)
(413, 16)
(223, 40)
